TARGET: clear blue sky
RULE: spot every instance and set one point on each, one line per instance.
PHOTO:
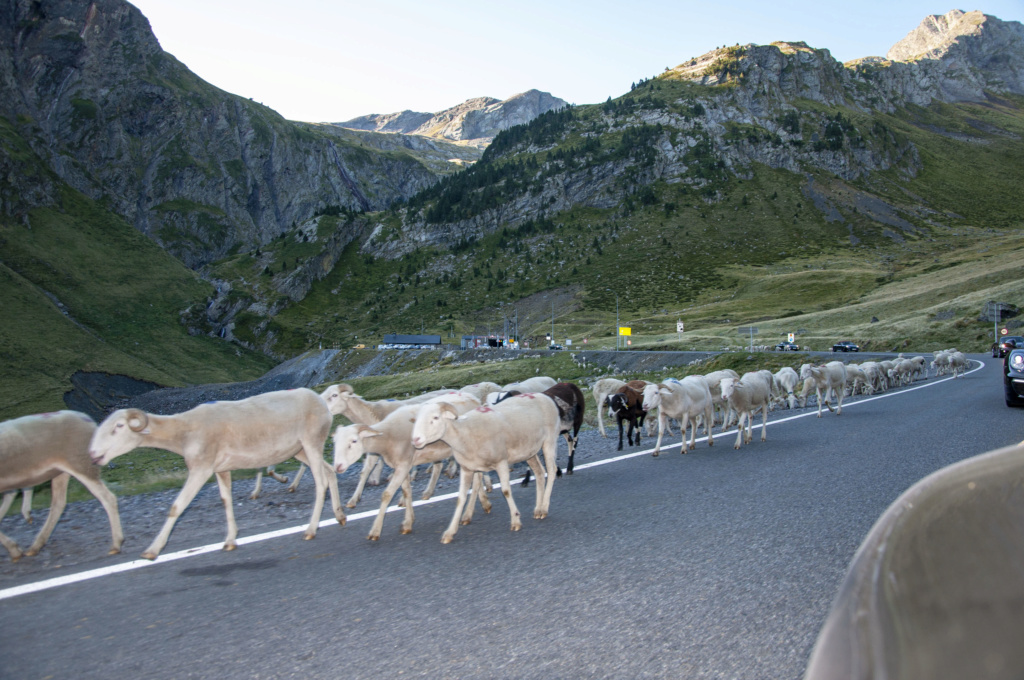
(324, 60)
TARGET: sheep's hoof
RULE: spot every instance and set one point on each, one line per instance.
(465, 522)
(403, 531)
(832, 410)
(15, 558)
(540, 514)
(341, 520)
(31, 552)
(291, 489)
(114, 551)
(253, 496)
(737, 447)
(446, 538)
(308, 537)
(148, 555)
(487, 510)
(228, 547)
(373, 537)
(350, 505)
(517, 527)
(711, 442)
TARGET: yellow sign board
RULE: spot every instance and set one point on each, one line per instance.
(625, 330)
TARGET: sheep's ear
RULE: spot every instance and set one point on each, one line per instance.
(367, 432)
(448, 411)
(138, 421)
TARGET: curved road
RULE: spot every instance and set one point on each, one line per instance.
(717, 564)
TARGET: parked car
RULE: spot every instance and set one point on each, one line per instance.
(1013, 377)
(845, 346)
(787, 346)
(554, 346)
(1007, 343)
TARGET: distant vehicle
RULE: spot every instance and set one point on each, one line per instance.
(360, 346)
(787, 346)
(553, 346)
(1013, 377)
(1007, 343)
(845, 346)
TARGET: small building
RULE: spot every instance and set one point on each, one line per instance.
(399, 341)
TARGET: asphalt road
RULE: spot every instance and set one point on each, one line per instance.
(717, 564)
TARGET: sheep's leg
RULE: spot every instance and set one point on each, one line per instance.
(708, 412)
(332, 486)
(435, 474)
(485, 488)
(839, 405)
(195, 481)
(11, 546)
(375, 472)
(58, 500)
(764, 422)
(748, 435)
(792, 400)
(539, 511)
(398, 479)
(475, 492)
(8, 500)
(313, 457)
(224, 485)
(600, 410)
(460, 504)
(258, 489)
(109, 502)
(550, 449)
(295, 482)
(368, 465)
(620, 434)
(277, 478)
(506, 490)
(817, 393)
(26, 504)
(453, 467)
(661, 433)
(571, 442)
(739, 430)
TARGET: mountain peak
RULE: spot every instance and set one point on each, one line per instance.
(937, 34)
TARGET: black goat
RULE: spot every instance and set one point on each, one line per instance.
(571, 403)
(628, 404)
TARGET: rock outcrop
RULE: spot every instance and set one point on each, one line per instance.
(475, 121)
(88, 89)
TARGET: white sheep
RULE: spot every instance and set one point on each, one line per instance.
(604, 388)
(873, 375)
(920, 368)
(480, 390)
(536, 384)
(342, 400)
(786, 379)
(750, 393)
(830, 378)
(391, 439)
(222, 436)
(495, 438)
(957, 363)
(683, 400)
(53, 447)
(940, 362)
(715, 385)
(857, 378)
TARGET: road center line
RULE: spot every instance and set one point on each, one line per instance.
(69, 579)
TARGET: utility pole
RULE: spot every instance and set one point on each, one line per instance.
(552, 321)
(616, 323)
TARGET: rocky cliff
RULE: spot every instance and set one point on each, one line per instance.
(475, 121)
(87, 88)
(784, 106)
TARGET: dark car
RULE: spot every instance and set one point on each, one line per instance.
(787, 346)
(845, 346)
(553, 346)
(1013, 377)
(1007, 343)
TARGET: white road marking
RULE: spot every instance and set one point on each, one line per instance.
(69, 579)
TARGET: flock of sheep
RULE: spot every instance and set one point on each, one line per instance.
(482, 428)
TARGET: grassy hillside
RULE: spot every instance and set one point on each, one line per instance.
(83, 290)
(734, 252)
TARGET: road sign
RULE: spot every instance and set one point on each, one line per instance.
(625, 330)
(629, 342)
(1003, 331)
(792, 337)
(568, 342)
(679, 326)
